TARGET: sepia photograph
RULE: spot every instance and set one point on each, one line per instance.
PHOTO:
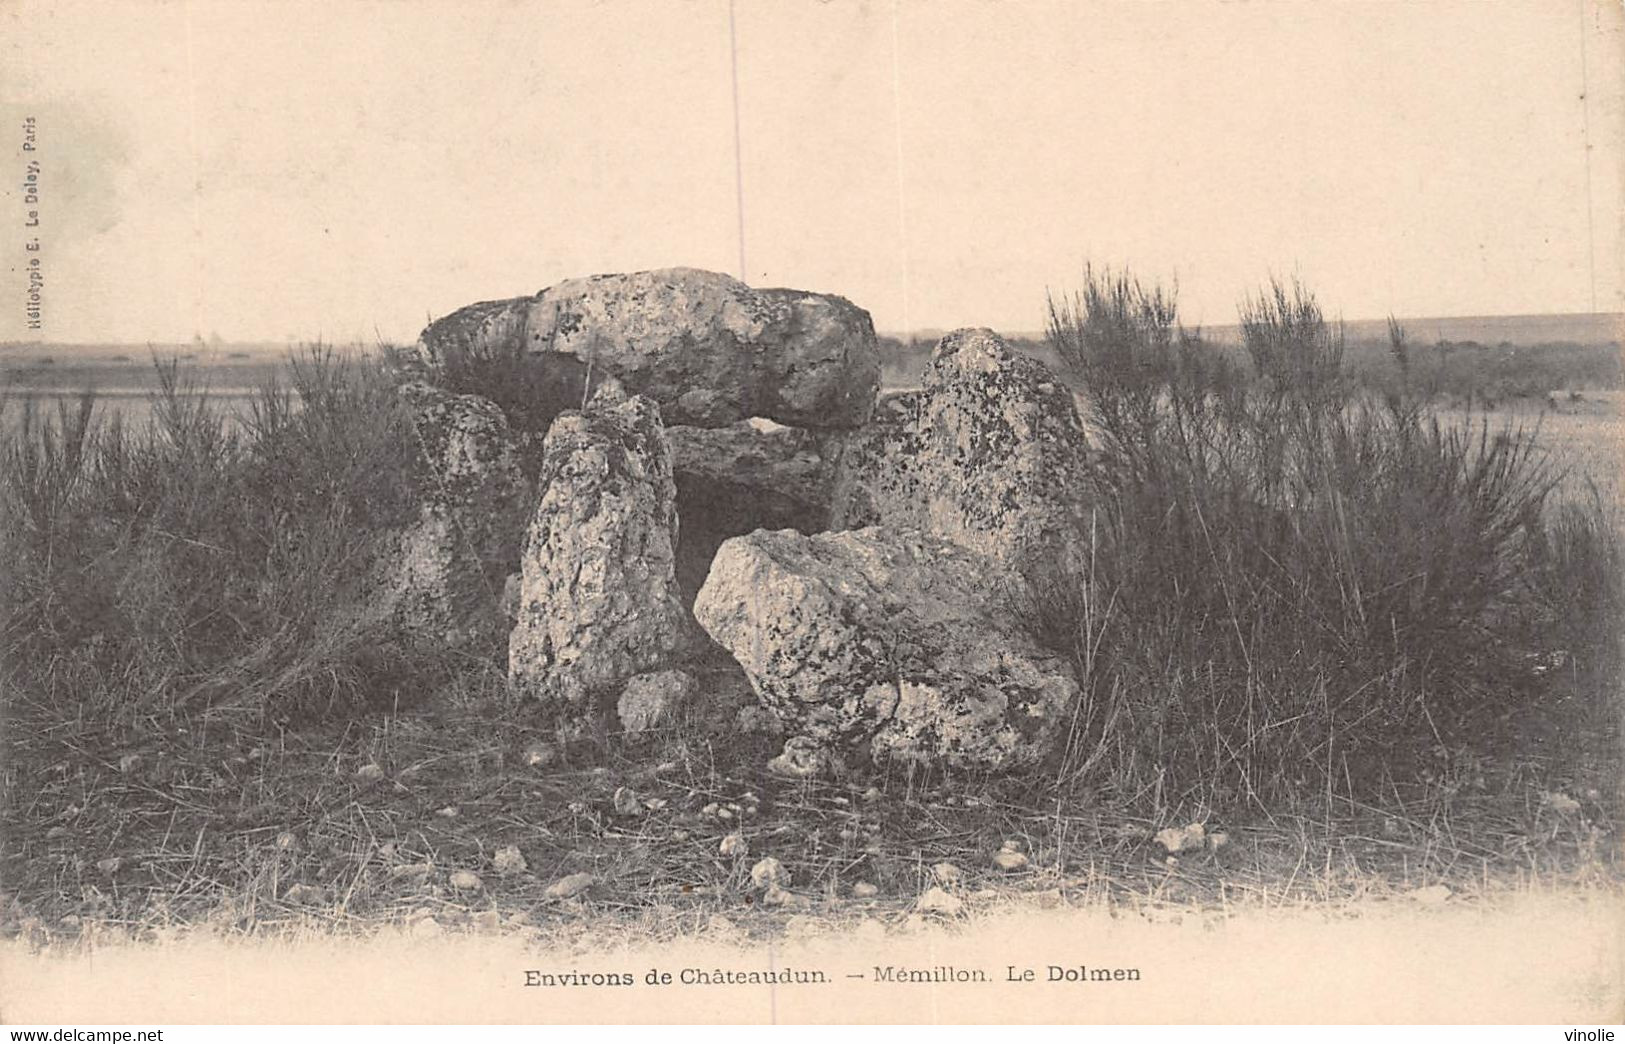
(812, 511)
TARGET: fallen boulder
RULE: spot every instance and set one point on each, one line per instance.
(990, 453)
(598, 599)
(706, 347)
(894, 644)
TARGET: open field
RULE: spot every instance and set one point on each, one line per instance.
(389, 795)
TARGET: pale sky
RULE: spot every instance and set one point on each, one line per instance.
(334, 169)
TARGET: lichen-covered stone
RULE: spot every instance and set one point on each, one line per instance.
(990, 454)
(894, 644)
(445, 578)
(598, 599)
(653, 700)
(706, 347)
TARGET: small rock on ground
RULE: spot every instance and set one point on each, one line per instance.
(571, 886)
(937, 901)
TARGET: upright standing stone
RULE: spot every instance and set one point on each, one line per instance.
(990, 454)
(598, 599)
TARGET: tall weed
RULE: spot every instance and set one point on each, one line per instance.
(1294, 582)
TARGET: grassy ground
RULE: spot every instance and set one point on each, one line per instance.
(440, 807)
(367, 822)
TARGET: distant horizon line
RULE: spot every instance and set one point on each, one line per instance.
(215, 341)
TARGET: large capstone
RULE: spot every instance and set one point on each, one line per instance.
(990, 454)
(892, 644)
(706, 347)
(444, 580)
(598, 600)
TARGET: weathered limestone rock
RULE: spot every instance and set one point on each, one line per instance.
(706, 347)
(896, 643)
(752, 475)
(989, 454)
(653, 700)
(445, 579)
(598, 600)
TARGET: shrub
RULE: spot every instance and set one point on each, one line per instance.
(204, 558)
(1294, 583)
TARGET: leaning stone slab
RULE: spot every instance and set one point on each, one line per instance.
(894, 645)
(706, 347)
(598, 599)
(445, 577)
(990, 454)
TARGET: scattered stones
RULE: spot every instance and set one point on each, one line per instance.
(865, 890)
(129, 763)
(487, 921)
(768, 872)
(509, 861)
(465, 881)
(653, 700)
(427, 928)
(371, 772)
(938, 902)
(990, 454)
(1010, 860)
(947, 874)
(110, 865)
(1217, 840)
(803, 758)
(303, 894)
(57, 833)
(571, 886)
(540, 754)
(776, 896)
(599, 601)
(898, 644)
(706, 347)
(734, 846)
(1190, 838)
(448, 812)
